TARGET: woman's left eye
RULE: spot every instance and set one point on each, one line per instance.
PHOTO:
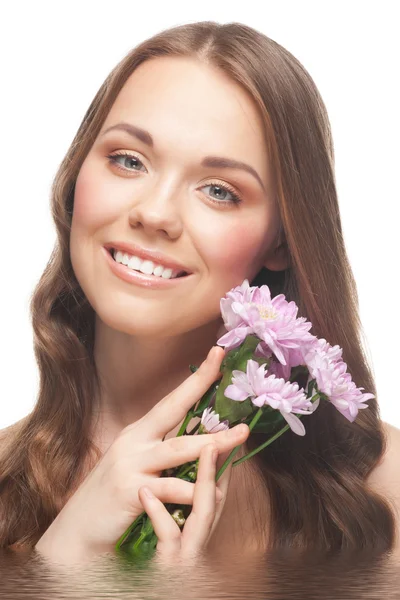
(236, 199)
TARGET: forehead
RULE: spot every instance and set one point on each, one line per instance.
(192, 105)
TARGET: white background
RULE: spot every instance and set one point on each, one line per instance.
(54, 56)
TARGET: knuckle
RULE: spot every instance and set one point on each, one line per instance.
(174, 444)
(208, 449)
(221, 437)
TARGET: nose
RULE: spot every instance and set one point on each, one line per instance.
(158, 211)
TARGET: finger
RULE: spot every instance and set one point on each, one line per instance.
(177, 451)
(173, 490)
(223, 487)
(165, 527)
(198, 526)
(172, 409)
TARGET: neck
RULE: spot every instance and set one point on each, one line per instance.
(136, 373)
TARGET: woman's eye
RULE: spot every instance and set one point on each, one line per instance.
(128, 163)
(225, 190)
(128, 160)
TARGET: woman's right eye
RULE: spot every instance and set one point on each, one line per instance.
(113, 158)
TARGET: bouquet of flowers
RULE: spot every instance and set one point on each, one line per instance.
(269, 355)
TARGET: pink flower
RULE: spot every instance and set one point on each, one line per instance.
(330, 372)
(210, 421)
(250, 310)
(277, 393)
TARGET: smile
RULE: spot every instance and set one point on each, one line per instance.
(145, 279)
(147, 267)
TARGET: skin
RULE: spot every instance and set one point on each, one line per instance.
(164, 202)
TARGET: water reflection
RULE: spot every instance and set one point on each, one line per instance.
(278, 575)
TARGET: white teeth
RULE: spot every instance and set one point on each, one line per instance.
(144, 266)
(134, 263)
(158, 270)
(147, 267)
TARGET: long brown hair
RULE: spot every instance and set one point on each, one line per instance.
(316, 484)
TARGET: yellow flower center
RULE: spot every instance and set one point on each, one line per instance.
(267, 313)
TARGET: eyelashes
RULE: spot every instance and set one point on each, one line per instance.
(236, 198)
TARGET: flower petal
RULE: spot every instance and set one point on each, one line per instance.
(294, 422)
(235, 393)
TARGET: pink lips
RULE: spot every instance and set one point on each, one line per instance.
(131, 276)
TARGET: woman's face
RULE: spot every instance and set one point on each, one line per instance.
(163, 198)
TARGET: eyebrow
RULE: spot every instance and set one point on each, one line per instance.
(218, 162)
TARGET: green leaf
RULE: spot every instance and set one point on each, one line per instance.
(236, 359)
(228, 408)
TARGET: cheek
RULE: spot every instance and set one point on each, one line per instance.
(239, 248)
(92, 211)
(93, 204)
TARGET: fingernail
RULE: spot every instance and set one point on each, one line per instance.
(147, 491)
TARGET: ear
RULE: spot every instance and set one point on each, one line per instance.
(278, 258)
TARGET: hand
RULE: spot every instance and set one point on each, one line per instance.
(107, 502)
(184, 546)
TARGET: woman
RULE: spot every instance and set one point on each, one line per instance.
(113, 347)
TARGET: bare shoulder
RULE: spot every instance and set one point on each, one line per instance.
(385, 478)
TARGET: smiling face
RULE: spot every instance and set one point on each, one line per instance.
(162, 197)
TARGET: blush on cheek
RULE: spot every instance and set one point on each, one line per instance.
(237, 248)
(93, 204)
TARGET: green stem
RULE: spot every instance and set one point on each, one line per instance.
(185, 423)
(128, 531)
(267, 443)
(235, 450)
(186, 470)
(139, 540)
